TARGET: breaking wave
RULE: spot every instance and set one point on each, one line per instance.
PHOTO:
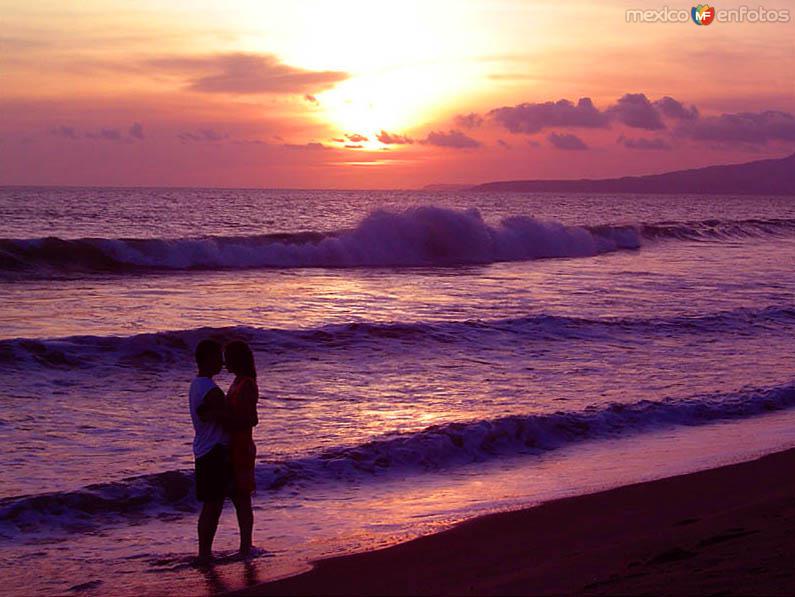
(418, 237)
(423, 236)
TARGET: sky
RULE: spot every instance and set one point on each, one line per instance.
(381, 94)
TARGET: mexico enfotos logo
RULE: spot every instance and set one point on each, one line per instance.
(706, 14)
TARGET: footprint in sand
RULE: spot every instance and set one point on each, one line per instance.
(675, 554)
(727, 535)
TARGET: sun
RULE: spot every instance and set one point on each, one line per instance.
(407, 61)
(388, 101)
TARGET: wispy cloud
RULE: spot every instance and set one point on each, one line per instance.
(203, 134)
(65, 132)
(241, 73)
(106, 135)
(134, 133)
(312, 146)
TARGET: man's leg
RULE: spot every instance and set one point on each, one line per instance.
(208, 524)
(245, 520)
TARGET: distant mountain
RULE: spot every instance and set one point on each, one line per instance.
(446, 187)
(762, 177)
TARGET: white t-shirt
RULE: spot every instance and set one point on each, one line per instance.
(208, 433)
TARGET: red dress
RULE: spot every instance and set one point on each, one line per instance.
(241, 443)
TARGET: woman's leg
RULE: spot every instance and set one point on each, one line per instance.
(245, 520)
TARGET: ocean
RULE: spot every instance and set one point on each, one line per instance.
(423, 357)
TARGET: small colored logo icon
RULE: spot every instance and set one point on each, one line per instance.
(703, 14)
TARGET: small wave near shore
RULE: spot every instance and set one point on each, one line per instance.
(435, 448)
(167, 347)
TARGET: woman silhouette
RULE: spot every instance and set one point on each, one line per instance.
(242, 398)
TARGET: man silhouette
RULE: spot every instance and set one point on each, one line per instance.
(213, 472)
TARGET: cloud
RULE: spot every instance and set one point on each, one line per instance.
(453, 139)
(249, 142)
(313, 146)
(203, 135)
(636, 111)
(353, 146)
(742, 127)
(469, 121)
(566, 141)
(105, 135)
(66, 132)
(671, 108)
(247, 74)
(513, 77)
(642, 143)
(10, 44)
(137, 130)
(356, 138)
(530, 118)
(393, 139)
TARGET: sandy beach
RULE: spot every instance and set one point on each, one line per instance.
(728, 531)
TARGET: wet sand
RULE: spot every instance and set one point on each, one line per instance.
(729, 531)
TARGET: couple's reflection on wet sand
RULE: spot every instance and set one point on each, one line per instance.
(218, 584)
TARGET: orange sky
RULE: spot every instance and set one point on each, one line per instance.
(381, 94)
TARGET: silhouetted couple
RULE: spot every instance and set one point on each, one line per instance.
(223, 446)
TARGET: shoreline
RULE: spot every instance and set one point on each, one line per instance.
(728, 530)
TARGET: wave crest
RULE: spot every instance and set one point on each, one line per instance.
(417, 237)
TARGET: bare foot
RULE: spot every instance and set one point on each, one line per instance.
(249, 551)
(203, 560)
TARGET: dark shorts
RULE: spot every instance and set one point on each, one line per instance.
(213, 474)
